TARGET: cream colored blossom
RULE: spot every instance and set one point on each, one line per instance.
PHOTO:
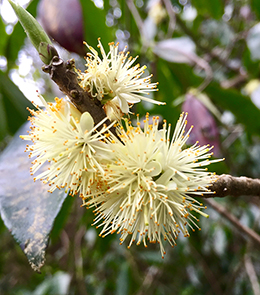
(142, 184)
(69, 142)
(149, 184)
(114, 78)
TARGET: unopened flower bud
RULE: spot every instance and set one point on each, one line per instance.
(35, 33)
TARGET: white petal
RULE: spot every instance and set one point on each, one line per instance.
(155, 167)
(86, 122)
(165, 177)
(73, 111)
(123, 105)
(129, 97)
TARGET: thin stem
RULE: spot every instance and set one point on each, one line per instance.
(150, 276)
(209, 274)
(242, 228)
(171, 13)
(249, 266)
(252, 274)
(136, 15)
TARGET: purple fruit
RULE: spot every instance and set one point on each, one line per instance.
(63, 21)
(205, 129)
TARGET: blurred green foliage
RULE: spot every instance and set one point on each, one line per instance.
(213, 260)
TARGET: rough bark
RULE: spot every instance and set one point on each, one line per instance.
(63, 74)
(227, 185)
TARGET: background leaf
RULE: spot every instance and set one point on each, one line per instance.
(95, 24)
(256, 7)
(214, 8)
(253, 41)
(26, 208)
(3, 38)
(241, 106)
(13, 105)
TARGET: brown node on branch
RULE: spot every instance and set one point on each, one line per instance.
(63, 74)
(227, 185)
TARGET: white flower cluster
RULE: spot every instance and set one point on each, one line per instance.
(149, 182)
(139, 181)
(115, 81)
(68, 141)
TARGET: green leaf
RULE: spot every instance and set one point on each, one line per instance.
(13, 105)
(16, 39)
(14, 44)
(241, 106)
(3, 119)
(95, 24)
(169, 89)
(3, 38)
(256, 7)
(214, 8)
(26, 208)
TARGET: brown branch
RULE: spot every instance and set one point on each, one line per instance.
(241, 228)
(235, 82)
(65, 77)
(227, 185)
